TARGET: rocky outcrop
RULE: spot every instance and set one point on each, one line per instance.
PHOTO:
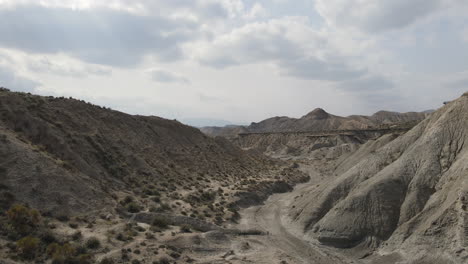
(405, 192)
(318, 120)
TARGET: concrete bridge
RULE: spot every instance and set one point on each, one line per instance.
(345, 132)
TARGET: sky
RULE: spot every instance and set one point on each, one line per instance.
(212, 62)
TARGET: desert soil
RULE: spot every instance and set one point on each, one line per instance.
(282, 242)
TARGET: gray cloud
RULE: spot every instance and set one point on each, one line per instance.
(367, 84)
(11, 80)
(166, 77)
(463, 83)
(315, 69)
(376, 16)
(209, 99)
(289, 44)
(45, 65)
(97, 36)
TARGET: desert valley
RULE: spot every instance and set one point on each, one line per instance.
(86, 184)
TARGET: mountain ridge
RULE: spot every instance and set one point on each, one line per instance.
(317, 120)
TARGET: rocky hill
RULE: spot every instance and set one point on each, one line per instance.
(80, 183)
(408, 195)
(65, 156)
(317, 120)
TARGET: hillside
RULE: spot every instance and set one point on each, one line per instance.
(408, 196)
(64, 154)
(317, 120)
(73, 160)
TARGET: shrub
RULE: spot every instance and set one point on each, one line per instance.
(27, 247)
(82, 259)
(185, 229)
(23, 219)
(47, 237)
(60, 253)
(133, 207)
(163, 260)
(76, 236)
(128, 199)
(165, 207)
(107, 261)
(208, 196)
(63, 218)
(160, 222)
(93, 243)
(174, 255)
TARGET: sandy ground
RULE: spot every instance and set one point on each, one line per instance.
(282, 244)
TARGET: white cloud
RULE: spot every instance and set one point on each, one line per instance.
(289, 43)
(11, 80)
(464, 35)
(216, 55)
(257, 11)
(55, 64)
(376, 15)
(65, 67)
(163, 76)
(206, 9)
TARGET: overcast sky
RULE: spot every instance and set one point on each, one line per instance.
(238, 60)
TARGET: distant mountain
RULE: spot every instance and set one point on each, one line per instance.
(204, 122)
(317, 120)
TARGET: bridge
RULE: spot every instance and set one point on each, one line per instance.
(343, 132)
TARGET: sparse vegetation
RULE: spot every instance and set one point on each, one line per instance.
(28, 247)
(61, 253)
(23, 219)
(160, 222)
(93, 243)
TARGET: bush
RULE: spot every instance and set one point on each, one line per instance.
(208, 196)
(128, 199)
(63, 218)
(60, 253)
(185, 229)
(163, 260)
(174, 255)
(23, 219)
(47, 237)
(27, 247)
(107, 261)
(160, 222)
(93, 243)
(76, 236)
(133, 207)
(82, 259)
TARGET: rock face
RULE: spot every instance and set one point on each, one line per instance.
(317, 120)
(408, 191)
(67, 156)
(330, 145)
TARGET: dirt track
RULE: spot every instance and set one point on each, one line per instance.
(281, 240)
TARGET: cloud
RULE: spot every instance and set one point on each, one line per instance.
(461, 83)
(367, 84)
(96, 36)
(376, 15)
(65, 67)
(464, 35)
(202, 8)
(209, 99)
(9, 79)
(289, 43)
(163, 76)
